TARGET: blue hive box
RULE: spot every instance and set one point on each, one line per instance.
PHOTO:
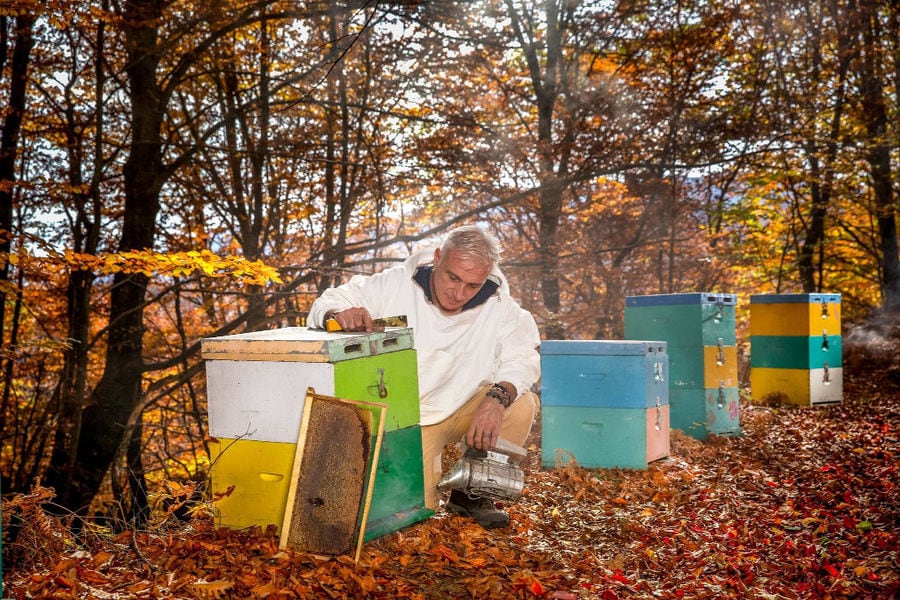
(605, 403)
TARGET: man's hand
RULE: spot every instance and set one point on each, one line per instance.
(355, 318)
(485, 428)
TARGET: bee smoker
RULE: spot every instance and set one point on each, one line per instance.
(493, 474)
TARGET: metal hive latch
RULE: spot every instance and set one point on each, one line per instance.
(824, 340)
(720, 353)
(380, 386)
(720, 401)
(658, 372)
(826, 375)
(720, 310)
(658, 414)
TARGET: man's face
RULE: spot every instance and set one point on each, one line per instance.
(456, 280)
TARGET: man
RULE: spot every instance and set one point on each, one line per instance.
(477, 349)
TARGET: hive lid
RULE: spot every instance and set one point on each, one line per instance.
(795, 299)
(687, 298)
(302, 344)
(603, 347)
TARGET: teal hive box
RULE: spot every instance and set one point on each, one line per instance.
(700, 413)
(699, 329)
(795, 352)
(604, 403)
(796, 348)
(692, 320)
(256, 387)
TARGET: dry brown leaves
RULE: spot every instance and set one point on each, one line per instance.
(802, 505)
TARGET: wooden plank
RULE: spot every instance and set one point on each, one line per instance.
(333, 475)
(367, 503)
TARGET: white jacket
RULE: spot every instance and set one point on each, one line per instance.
(457, 354)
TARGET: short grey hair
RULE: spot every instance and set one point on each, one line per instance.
(470, 241)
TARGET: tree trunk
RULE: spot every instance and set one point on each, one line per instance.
(9, 147)
(104, 422)
(139, 508)
(811, 254)
(552, 161)
(71, 391)
(9, 143)
(879, 154)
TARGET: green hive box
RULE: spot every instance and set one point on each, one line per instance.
(256, 388)
(796, 348)
(699, 329)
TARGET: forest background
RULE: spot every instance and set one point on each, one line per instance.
(175, 170)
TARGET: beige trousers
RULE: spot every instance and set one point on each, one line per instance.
(517, 421)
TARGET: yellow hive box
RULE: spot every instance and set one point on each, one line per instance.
(250, 481)
(720, 366)
(802, 387)
(821, 315)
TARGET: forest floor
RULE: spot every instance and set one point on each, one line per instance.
(804, 504)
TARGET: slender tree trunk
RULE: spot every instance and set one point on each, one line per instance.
(811, 253)
(879, 153)
(9, 148)
(72, 388)
(545, 82)
(9, 142)
(139, 507)
(104, 422)
(256, 241)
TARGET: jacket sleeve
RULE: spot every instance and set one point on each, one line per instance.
(517, 353)
(368, 291)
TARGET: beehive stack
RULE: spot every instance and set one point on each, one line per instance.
(256, 385)
(796, 348)
(604, 403)
(699, 329)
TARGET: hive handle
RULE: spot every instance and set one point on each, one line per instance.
(720, 401)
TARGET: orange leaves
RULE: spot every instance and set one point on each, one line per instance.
(442, 551)
(704, 523)
(14, 8)
(176, 264)
(210, 589)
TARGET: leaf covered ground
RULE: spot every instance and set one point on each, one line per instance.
(804, 504)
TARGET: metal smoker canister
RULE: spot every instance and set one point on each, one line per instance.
(490, 477)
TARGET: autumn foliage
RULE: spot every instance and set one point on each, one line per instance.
(802, 505)
(172, 171)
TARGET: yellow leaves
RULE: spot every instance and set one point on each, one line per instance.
(176, 264)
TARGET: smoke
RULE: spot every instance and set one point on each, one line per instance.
(872, 348)
(878, 333)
